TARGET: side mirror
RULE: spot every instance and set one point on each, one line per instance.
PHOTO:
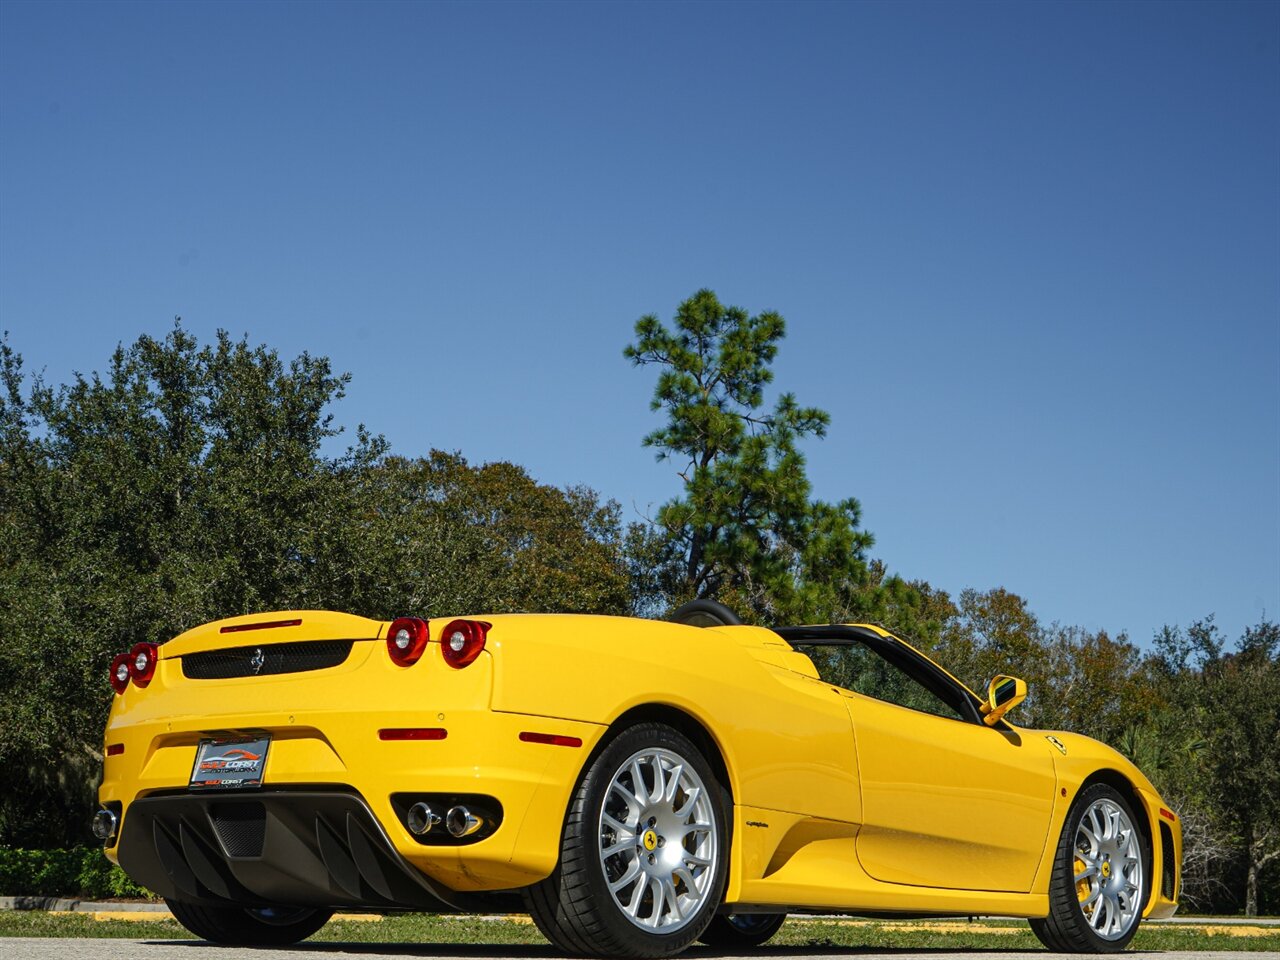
(1003, 694)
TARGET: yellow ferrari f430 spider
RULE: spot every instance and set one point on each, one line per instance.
(633, 785)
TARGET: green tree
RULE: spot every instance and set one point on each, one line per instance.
(440, 537)
(1241, 698)
(1226, 703)
(746, 530)
(188, 483)
(1092, 682)
(185, 484)
(990, 632)
(913, 610)
(1077, 679)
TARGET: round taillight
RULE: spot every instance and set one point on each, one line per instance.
(406, 639)
(120, 672)
(142, 663)
(462, 641)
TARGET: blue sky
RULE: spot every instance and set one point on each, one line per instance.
(1029, 254)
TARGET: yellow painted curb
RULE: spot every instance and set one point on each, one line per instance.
(979, 927)
(942, 926)
(133, 915)
(1225, 929)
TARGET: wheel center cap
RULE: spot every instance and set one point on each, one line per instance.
(650, 840)
(1106, 869)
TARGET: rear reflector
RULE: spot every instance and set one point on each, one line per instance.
(555, 739)
(413, 733)
(115, 749)
(1167, 814)
(268, 625)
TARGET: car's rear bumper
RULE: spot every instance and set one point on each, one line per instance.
(314, 848)
(334, 779)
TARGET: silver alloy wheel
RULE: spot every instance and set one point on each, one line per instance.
(1108, 869)
(658, 840)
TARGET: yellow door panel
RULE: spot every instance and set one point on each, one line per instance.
(946, 803)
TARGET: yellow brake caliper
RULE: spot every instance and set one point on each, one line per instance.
(1082, 885)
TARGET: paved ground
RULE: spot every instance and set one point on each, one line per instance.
(23, 948)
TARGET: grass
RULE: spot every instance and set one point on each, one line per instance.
(809, 934)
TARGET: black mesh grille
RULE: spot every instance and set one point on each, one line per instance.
(240, 827)
(263, 660)
(1168, 880)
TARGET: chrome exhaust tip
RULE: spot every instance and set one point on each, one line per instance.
(461, 822)
(420, 819)
(104, 824)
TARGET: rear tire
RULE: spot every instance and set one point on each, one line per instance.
(1099, 884)
(643, 854)
(739, 931)
(242, 926)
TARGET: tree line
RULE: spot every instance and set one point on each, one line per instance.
(189, 482)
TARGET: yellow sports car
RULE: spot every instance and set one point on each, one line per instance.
(633, 785)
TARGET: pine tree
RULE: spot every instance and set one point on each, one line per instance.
(746, 529)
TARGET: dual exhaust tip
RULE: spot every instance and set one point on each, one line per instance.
(460, 821)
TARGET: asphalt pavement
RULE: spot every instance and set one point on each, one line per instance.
(28, 948)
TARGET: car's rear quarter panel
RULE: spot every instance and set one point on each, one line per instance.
(786, 743)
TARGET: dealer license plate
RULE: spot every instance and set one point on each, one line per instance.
(230, 763)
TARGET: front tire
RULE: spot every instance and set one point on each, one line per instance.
(266, 926)
(643, 854)
(1099, 882)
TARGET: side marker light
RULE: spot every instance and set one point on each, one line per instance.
(554, 739)
(413, 733)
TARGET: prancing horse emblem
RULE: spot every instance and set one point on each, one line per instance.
(257, 660)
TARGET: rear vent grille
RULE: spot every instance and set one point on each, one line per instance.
(266, 659)
(241, 827)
